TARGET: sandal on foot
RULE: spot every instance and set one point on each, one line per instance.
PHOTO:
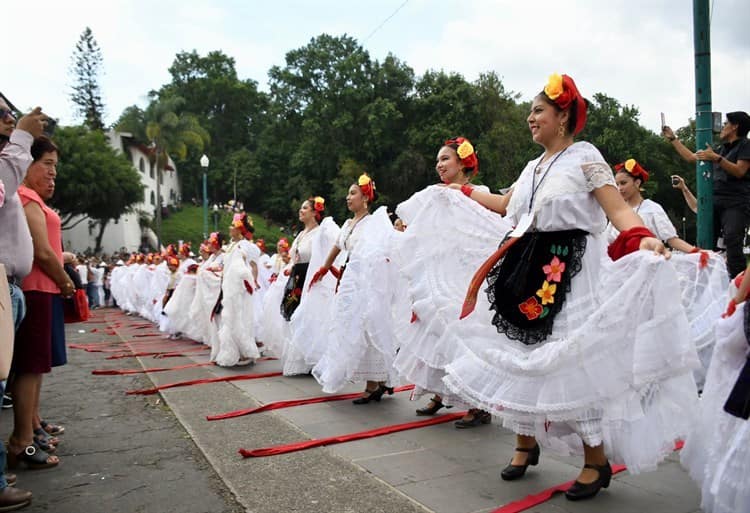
(45, 442)
(52, 429)
(32, 456)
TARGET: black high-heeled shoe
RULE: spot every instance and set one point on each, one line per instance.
(512, 472)
(375, 395)
(478, 417)
(437, 405)
(579, 491)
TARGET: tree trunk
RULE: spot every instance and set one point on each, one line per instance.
(98, 245)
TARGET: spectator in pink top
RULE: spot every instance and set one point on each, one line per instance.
(33, 346)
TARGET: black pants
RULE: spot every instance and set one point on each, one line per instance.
(733, 222)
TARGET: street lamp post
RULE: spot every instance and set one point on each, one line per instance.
(155, 149)
(204, 165)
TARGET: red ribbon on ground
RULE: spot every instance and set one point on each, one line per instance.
(153, 353)
(320, 442)
(294, 402)
(534, 500)
(121, 372)
(240, 377)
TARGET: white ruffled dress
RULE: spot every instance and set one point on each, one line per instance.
(207, 289)
(236, 322)
(308, 335)
(617, 367)
(360, 337)
(703, 281)
(448, 236)
(717, 450)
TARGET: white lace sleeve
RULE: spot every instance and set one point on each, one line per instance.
(597, 174)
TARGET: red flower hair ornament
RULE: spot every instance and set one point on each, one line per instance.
(562, 90)
(367, 186)
(633, 168)
(466, 153)
(244, 224)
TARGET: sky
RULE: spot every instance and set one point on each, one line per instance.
(637, 51)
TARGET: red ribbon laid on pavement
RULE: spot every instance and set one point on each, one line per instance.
(320, 442)
(156, 354)
(121, 372)
(294, 402)
(240, 377)
(534, 500)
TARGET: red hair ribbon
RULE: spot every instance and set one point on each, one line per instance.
(563, 91)
(633, 168)
(367, 186)
(466, 153)
(185, 249)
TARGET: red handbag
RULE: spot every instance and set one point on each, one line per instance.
(76, 308)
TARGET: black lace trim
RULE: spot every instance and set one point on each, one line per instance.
(514, 283)
(293, 290)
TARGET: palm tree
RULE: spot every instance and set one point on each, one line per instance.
(169, 134)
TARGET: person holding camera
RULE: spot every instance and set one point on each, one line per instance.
(731, 187)
(679, 183)
(16, 249)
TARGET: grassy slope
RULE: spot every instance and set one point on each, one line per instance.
(187, 225)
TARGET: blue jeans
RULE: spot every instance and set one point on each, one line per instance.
(18, 303)
(91, 294)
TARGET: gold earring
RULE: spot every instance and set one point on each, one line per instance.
(561, 130)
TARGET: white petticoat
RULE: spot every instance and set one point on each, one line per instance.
(360, 340)
(617, 368)
(704, 298)
(717, 450)
(448, 237)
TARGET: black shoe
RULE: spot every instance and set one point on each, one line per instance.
(436, 406)
(512, 472)
(375, 395)
(477, 417)
(579, 491)
(7, 402)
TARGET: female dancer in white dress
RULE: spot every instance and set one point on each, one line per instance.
(286, 294)
(449, 235)
(360, 338)
(703, 274)
(207, 291)
(579, 352)
(717, 450)
(235, 313)
(296, 311)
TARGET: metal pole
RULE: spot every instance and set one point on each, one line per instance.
(205, 207)
(158, 202)
(703, 120)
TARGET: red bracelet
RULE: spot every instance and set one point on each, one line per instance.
(467, 189)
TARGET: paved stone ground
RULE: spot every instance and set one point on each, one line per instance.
(158, 453)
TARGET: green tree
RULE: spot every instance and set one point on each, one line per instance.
(86, 68)
(93, 181)
(230, 109)
(167, 133)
